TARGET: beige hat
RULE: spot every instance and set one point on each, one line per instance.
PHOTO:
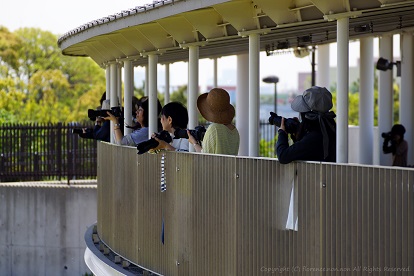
(215, 106)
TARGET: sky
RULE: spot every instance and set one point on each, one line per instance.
(60, 17)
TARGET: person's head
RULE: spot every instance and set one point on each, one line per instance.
(174, 115)
(314, 106)
(397, 132)
(135, 104)
(315, 99)
(313, 103)
(142, 111)
(215, 106)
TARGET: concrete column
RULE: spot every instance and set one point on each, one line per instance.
(215, 82)
(366, 101)
(385, 99)
(167, 84)
(146, 85)
(108, 81)
(128, 93)
(323, 71)
(152, 94)
(193, 81)
(342, 90)
(112, 93)
(254, 72)
(119, 84)
(242, 103)
(406, 93)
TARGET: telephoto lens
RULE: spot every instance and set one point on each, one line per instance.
(291, 125)
(145, 146)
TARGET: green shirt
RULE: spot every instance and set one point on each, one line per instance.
(219, 139)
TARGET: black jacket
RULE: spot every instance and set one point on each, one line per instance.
(309, 148)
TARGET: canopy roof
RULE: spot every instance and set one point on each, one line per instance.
(222, 27)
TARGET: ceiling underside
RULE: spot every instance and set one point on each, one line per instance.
(222, 27)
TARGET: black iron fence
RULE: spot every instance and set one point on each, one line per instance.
(37, 152)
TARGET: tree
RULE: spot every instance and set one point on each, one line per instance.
(39, 84)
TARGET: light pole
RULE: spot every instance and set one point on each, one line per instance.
(275, 80)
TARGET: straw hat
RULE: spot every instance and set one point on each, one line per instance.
(313, 99)
(215, 106)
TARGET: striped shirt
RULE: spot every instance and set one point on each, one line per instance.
(219, 139)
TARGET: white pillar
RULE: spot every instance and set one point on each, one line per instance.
(385, 99)
(342, 90)
(112, 92)
(323, 71)
(366, 101)
(254, 72)
(167, 84)
(242, 103)
(193, 68)
(146, 87)
(119, 84)
(128, 93)
(152, 95)
(215, 82)
(108, 82)
(406, 93)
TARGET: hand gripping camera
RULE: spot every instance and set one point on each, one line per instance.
(197, 133)
(291, 125)
(145, 146)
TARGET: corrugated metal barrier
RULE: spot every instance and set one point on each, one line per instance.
(226, 215)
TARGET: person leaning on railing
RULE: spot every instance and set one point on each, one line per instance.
(394, 143)
(174, 116)
(315, 139)
(139, 135)
(221, 137)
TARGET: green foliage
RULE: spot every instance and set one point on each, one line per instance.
(39, 84)
(353, 105)
(267, 148)
(179, 95)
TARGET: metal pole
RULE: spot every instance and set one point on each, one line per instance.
(366, 101)
(313, 66)
(275, 98)
(152, 95)
(254, 69)
(385, 101)
(342, 97)
(128, 93)
(193, 68)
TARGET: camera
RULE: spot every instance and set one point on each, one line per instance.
(77, 131)
(291, 125)
(386, 135)
(93, 113)
(145, 146)
(197, 133)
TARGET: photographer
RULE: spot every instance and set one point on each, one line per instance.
(394, 143)
(221, 137)
(101, 128)
(174, 116)
(138, 135)
(101, 131)
(315, 138)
